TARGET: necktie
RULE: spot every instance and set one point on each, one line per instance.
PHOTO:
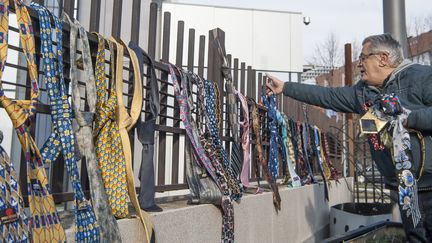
(108, 145)
(146, 133)
(317, 148)
(214, 117)
(326, 168)
(62, 138)
(126, 122)
(215, 169)
(232, 94)
(306, 148)
(256, 125)
(304, 175)
(273, 163)
(14, 226)
(334, 174)
(391, 110)
(244, 176)
(45, 224)
(288, 150)
(110, 231)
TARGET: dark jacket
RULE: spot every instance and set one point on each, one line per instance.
(412, 83)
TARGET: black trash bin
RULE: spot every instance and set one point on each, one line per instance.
(380, 232)
(350, 216)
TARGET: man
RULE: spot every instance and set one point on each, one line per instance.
(384, 71)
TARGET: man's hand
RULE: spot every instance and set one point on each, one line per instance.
(274, 85)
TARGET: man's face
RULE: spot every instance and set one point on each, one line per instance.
(371, 66)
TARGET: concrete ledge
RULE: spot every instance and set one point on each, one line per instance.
(304, 217)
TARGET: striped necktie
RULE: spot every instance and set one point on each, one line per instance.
(45, 224)
(287, 149)
(62, 140)
(126, 122)
(14, 225)
(108, 146)
(110, 231)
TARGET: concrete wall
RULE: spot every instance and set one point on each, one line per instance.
(304, 218)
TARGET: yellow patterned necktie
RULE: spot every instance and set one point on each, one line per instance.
(326, 168)
(46, 225)
(108, 144)
(126, 122)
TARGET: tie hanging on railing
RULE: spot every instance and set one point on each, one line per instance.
(214, 168)
(256, 125)
(110, 231)
(235, 162)
(305, 133)
(146, 133)
(45, 224)
(316, 144)
(288, 150)
(109, 149)
(126, 121)
(62, 139)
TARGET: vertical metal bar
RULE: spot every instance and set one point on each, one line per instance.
(69, 7)
(236, 73)
(116, 20)
(135, 25)
(201, 52)
(260, 77)
(152, 30)
(253, 84)
(243, 77)
(210, 57)
(164, 99)
(249, 81)
(176, 136)
(95, 15)
(191, 49)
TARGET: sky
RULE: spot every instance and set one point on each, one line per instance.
(349, 20)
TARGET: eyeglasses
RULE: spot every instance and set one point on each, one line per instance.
(363, 57)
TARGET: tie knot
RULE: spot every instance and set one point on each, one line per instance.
(85, 119)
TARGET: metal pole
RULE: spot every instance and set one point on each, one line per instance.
(394, 22)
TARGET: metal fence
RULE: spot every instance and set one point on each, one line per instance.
(170, 134)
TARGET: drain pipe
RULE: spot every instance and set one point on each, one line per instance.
(394, 22)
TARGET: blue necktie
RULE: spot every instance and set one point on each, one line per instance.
(62, 138)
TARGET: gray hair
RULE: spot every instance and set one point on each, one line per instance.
(386, 43)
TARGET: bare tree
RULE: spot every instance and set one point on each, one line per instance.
(327, 53)
(356, 49)
(419, 25)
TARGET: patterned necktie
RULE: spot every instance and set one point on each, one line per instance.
(213, 108)
(232, 94)
(304, 175)
(14, 225)
(317, 147)
(287, 148)
(334, 174)
(45, 223)
(256, 125)
(110, 231)
(62, 138)
(126, 122)
(270, 103)
(215, 170)
(109, 149)
(306, 148)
